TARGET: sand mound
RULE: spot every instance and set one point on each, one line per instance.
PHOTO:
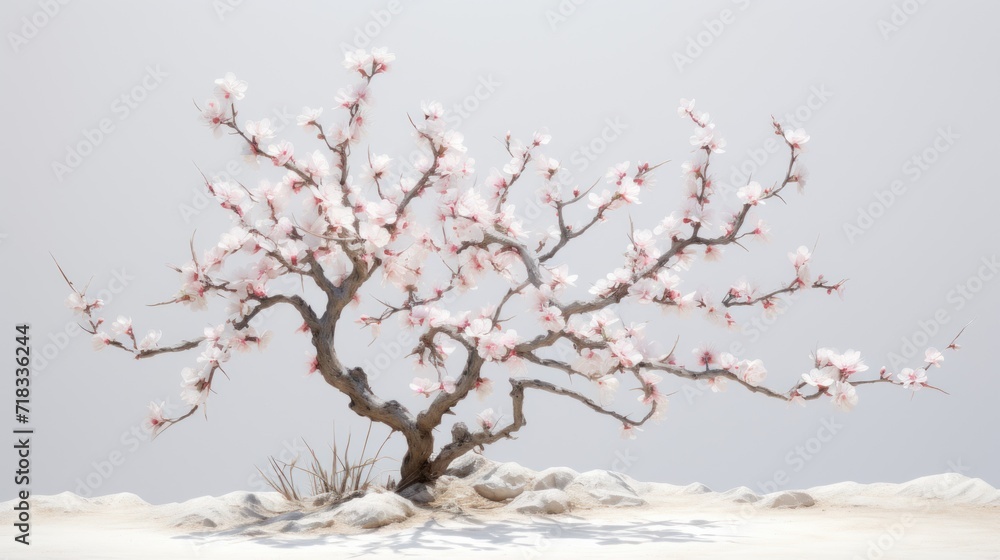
(503, 502)
(555, 477)
(370, 511)
(944, 489)
(740, 495)
(786, 500)
(549, 501)
(604, 488)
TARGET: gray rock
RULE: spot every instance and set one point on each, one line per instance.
(789, 500)
(374, 510)
(468, 465)
(605, 488)
(504, 482)
(555, 477)
(418, 493)
(541, 502)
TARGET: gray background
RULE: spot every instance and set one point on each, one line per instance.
(568, 66)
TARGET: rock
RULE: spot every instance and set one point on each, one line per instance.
(504, 482)
(555, 477)
(605, 488)
(468, 465)
(374, 510)
(549, 501)
(790, 500)
(418, 493)
(741, 495)
(695, 488)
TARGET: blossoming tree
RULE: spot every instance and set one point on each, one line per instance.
(348, 232)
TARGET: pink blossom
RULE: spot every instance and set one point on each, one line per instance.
(424, 386)
(628, 191)
(100, 340)
(375, 169)
(796, 138)
(487, 419)
(751, 193)
(541, 137)
(717, 384)
(155, 420)
(229, 88)
(728, 362)
(552, 319)
(308, 116)
(496, 346)
(753, 372)
(358, 61)
(122, 326)
(447, 385)
(800, 257)
(685, 108)
(149, 341)
(821, 377)
(76, 302)
(484, 387)
(281, 153)
(214, 115)
(669, 227)
(629, 431)
(259, 130)
(844, 395)
(194, 386)
(625, 352)
(608, 386)
(374, 234)
(913, 379)
(561, 277)
(932, 357)
(381, 57)
(705, 356)
(433, 111)
(596, 201)
(849, 362)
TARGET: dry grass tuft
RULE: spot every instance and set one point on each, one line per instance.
(343, 476)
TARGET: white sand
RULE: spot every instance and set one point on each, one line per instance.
(944, 516)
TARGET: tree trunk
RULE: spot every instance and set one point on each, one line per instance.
(416, 467)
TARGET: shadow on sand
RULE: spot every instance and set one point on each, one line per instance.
(532, 536)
